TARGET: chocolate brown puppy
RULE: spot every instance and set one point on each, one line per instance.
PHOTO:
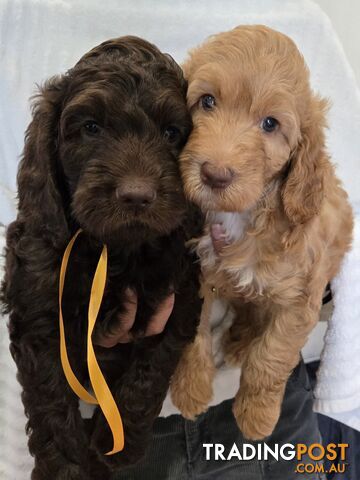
(101, 154)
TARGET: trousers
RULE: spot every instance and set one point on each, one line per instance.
(177, 450)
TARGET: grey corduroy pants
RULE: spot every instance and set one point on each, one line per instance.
(177, 451)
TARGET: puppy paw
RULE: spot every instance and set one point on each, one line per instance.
(71, 472)
(191, 388)
(191, 384)
(255, 415)
(102, 442)
(68, 471)
(120, 460)
(193, 400)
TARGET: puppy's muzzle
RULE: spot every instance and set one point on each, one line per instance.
(216, 177)
(136, 195)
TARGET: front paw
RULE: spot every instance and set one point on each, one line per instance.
(191, 390)
(102, 442)
(67, 472)
(256, 415)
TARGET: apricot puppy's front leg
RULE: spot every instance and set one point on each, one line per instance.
(267, 368)
(246, 327)
(191, 385)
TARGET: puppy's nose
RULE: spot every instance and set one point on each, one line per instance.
(136, 195)
(216, 177)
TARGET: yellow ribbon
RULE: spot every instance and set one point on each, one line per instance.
(103, 396)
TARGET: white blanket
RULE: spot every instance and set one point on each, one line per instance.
(40, 38)
(338, 383)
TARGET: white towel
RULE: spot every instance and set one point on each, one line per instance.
(338, 383)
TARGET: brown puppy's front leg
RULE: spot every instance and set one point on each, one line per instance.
(57, 437)
(140, 392)
(267, 367)
(191, 385)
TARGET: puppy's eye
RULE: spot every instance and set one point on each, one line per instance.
(269, 124)
(91, 127)
(171, 134)
(207, 102)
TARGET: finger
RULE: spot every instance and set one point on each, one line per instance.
(127, 337)
(106, 342)
(125, 321)
(126, 318)
(218, 237)
(160, 317)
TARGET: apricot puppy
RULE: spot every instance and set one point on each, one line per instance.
(256, 163)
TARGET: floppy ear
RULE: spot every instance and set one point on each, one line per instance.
(40, 201)
(303, 191)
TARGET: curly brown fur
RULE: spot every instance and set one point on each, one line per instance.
(120, 183)
(272, 198)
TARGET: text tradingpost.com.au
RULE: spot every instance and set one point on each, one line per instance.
(334, 452)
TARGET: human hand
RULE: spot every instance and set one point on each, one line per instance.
(121, 333)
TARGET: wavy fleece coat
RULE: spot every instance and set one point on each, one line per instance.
(284, 219)
(101, 153)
